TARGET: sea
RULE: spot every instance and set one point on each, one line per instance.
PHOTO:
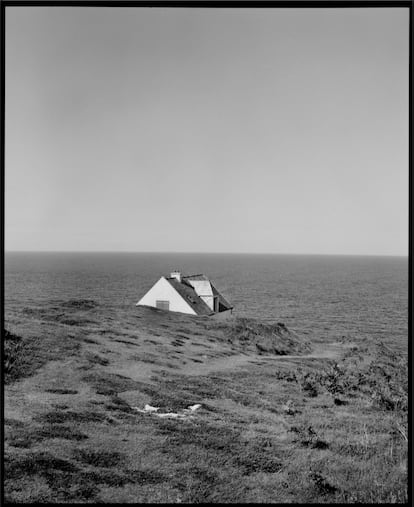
(327, 296)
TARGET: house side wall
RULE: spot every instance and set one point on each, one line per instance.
(162, 290)
(225, 315)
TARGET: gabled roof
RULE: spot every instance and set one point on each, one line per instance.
(187, 292)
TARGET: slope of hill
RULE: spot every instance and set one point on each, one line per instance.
(281, 419)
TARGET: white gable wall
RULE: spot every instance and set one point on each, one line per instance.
(162, 290)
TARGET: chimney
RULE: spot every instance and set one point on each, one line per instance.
(176, 274)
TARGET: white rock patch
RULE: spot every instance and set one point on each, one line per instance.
(148, 409)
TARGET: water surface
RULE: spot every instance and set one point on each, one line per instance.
(328, 296)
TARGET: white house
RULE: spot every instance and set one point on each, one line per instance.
(194, 294)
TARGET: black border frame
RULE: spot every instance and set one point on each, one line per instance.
(216, 4)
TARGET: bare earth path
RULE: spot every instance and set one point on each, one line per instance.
(325, 351)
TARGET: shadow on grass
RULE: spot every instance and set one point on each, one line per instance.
(25, 437)
(61, 391)
(39, 463)
(60, 417)
(68, 481)
(110, 383)
(105, 459)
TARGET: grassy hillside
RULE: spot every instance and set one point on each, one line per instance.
(282, 419)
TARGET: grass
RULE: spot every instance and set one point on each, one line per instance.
(22, 357)
(302, 430)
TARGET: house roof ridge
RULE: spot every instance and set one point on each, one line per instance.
(196, 275)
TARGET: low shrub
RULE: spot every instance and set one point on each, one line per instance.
(308, 437)
(384, 380)
(322, 485)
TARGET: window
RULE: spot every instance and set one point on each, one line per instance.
(162, 305)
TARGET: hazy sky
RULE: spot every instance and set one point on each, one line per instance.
(217, 130)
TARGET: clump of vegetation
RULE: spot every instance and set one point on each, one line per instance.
(308, 437)
(384, 380)
(308, 383)
(250, 334)
(322, 485)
